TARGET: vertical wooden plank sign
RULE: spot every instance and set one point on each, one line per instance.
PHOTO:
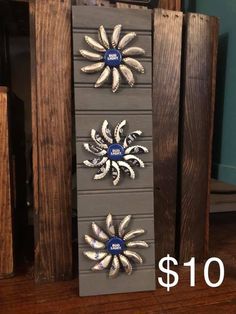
(6, 236)
(50, 25)
(166, 96)
(114, 158)
(198, 109)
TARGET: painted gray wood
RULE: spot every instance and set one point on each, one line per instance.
(96, 199)
(136, 121)
(99, 283)
(131, 20)
(143, 202)
(95, 99)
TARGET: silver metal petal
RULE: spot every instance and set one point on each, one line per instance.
(123, 225)
(103, 171)
(134, 256)
(98, 151)
(103, 37)
(95, 244)
(126, 168)
(99, 233)
(107, 132)
(126, 39)
(115, 80)
(134, 160)
(137, 149)
(96, 162)
(115, 170)
(135, 64)
(138, 244)
(98, 139)
(116, 35)
(103, 77)
(95, 256)
(94, 44)
(93, 68)
(103, 263)
(133, 51)
(110, 226)
(126, 264)
(115, 267)
(131, 137)
(133, 233)
(119, 130)
(91, 55)
(127, 73)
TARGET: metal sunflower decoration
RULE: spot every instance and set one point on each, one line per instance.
(113, 58)
(113, 152)
(114, 250)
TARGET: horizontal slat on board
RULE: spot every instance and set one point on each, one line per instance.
(86, 122)
(95, 99)
(143, 41)
(84, 227)
(147, 254)
(98, 16)
(144, 280)
(142, 199)
(82, 154)
(81, 77)
(144, 179)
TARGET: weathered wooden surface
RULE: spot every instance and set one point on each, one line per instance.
(196, 135)
(92, 106)
(6, 230)
(50, 23)
(166, 94)
(174, 5)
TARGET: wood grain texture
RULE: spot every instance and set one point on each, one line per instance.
(174, 5)
(50, 23)
(6, 229)
(197, 109)
(166, 94)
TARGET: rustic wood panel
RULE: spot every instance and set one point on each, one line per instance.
(50, 23)
(174, 5)
(199, 54)
(97, 198)
(166, 95)
(6, 230)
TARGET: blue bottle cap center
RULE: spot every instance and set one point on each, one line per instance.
(112, 57)
(115, 152)
(115, 246)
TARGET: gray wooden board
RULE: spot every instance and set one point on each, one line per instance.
(127, 98)
(95, 199)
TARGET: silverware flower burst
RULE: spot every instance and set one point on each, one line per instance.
(114, 250)
(113, 152)
(113, 58)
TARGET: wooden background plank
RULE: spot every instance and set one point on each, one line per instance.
(174, 5)
(196, 135)
(166, 94)
(50, 23)
(6, 230)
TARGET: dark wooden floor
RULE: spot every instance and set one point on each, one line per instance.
(21, 295)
